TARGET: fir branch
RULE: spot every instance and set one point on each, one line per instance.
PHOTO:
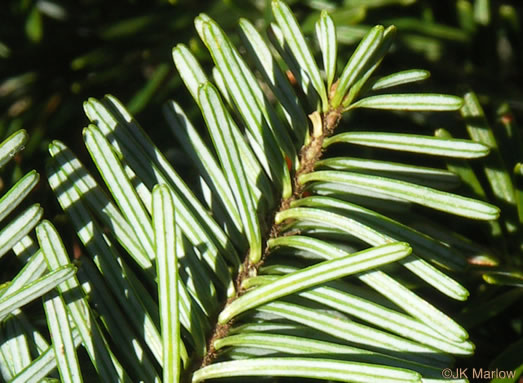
(324, 125)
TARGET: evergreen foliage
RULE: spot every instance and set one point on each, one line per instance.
(280, 256)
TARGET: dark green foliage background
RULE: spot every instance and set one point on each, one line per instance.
(56, 54)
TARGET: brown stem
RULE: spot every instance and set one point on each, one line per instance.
(308, 156)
